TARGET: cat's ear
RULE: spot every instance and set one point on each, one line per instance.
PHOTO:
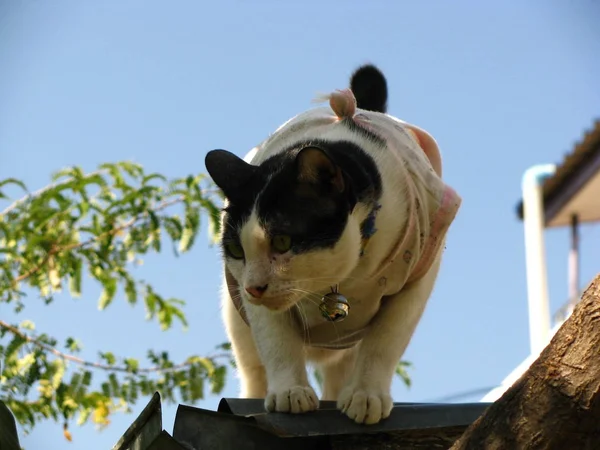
(228, 171)
(314, 166)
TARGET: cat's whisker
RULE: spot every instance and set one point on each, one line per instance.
(333, 279)
(303, 320)
(303, 291)
(290, 313)
(317, 304)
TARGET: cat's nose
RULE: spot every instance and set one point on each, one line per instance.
(257, 291)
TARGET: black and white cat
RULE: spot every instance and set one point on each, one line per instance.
(343, 197)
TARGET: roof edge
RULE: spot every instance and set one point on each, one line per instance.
(567, 171)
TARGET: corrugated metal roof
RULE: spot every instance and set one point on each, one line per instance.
(574, 162)
(243, 424)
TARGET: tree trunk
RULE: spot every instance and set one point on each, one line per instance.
(556, 403)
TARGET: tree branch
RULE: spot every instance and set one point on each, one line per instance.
(39, 192)
(57, 249)
(556, 403)
(48, 348)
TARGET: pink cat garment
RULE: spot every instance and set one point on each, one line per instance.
(414, 157)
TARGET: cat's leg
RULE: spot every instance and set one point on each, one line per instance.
(282, 351)
(366, 398)
(253, 380)
(336, 372)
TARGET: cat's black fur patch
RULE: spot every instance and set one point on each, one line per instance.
(318, 218)
(352, 125)
(370, 88)
(314, 216)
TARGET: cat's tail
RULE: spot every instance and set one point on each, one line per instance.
(370, 88)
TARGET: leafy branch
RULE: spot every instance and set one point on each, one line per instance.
(114, 231)
(61, 398)
(129, 368)
(100, 223)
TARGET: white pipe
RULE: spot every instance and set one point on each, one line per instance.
(535, 253)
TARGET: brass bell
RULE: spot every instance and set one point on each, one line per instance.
(334, 307)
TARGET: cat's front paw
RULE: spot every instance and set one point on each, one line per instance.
(365, 405)
(296, 399)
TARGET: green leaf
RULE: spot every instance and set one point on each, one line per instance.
(133, 392)
(175, 311)
(153, 176)
(27, 325)
(132, 168)
(154, 221)
(114, 384)
(130, 290)
(224, 346)
(403, 373)
(207, 364)
(165, 318)
(214, 216)
(109, 357)
(155, 235)
(108, 292)
(190, 229)
(151, 300)
(13, 346)
(60, 367)
(84, 207)
(75, 277)
(132, 364)
(105, 389)
(72, 345)
(87, 378)
(62, 173)
(84, 414)
(217, 381)
(8, 181)
(196, 384)
(75, 382)
(173, 227)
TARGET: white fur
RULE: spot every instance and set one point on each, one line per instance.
(271, 355)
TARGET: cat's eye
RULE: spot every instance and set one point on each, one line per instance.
(281, 243)
(234, 250)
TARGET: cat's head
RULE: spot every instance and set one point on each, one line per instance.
(292, 224)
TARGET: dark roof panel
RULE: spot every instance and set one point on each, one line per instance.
(243, 424)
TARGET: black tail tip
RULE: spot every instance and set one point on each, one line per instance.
(370, 88)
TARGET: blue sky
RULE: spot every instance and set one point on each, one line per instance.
(500, 87)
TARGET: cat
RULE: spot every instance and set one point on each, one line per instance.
(345, 199)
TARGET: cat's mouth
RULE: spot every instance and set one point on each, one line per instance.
(276, 304)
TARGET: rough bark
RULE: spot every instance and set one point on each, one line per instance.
(556, 403)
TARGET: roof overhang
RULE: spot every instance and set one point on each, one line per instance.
(574, 189)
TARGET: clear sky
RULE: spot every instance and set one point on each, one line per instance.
(501, 86)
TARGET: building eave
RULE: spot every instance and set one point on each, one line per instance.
(571, 189)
